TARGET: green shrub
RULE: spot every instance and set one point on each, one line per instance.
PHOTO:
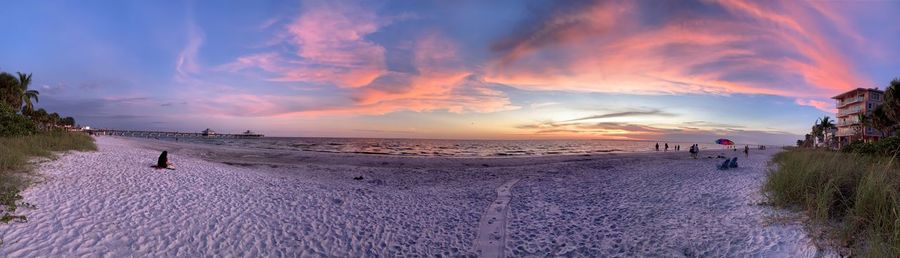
(12, 124)
(854, 147)
(15, 151)
(889, 146)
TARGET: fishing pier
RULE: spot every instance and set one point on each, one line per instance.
(163, 134)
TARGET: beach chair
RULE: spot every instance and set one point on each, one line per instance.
(733, 163)
(724, 165)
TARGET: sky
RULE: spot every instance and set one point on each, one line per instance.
(751, 71)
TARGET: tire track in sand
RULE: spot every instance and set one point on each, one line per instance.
(491, 238)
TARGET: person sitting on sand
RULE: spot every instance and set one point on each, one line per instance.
(163, 161)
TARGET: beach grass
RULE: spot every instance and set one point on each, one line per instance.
(15, 153)
(860, 194)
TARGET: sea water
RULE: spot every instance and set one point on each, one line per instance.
(434, 147)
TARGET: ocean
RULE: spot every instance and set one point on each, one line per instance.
(452, 148)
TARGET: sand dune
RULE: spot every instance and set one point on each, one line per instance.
(307, 204)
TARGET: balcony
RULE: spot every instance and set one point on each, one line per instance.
(851, 110)
(850, 101)
(847, 123)
(845, 132)
(852, 131)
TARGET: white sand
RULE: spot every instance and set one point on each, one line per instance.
(278, 203)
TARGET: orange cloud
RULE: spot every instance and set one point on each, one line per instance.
(332, 48)
(687, 54)
(442, 82)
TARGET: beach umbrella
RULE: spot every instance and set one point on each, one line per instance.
(724, 142)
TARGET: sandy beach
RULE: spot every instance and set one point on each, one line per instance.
(227, 201)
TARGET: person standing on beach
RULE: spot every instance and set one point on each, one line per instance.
(747, 150)
(667, 147)
(657, 146)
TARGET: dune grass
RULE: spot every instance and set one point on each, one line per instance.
(15, 153)
(858, 193)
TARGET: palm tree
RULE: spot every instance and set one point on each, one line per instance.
(14, 91)
(892, 100)
(9, 86)
(817, 128)
(40, 117)
(69, 121)
(880, 121)
(865, 120)
(54, 119)
(27, 95)
(825, 124)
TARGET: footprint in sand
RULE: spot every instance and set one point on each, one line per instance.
(491, 238)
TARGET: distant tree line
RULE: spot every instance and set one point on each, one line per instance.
(17, 113)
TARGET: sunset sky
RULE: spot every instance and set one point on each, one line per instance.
(753, 71)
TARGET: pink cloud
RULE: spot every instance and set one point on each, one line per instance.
(442, 83)
(821, 105)
(331, 43)
(601, 48)
(689, 54)
(269, 62)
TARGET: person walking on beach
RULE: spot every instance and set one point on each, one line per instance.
(657, 146)
(667, 147)
(747, 151)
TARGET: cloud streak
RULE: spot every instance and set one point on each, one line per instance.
(186, 65)
(441, 80)
(653, 112)
(699, 131)
(331, 47)
(781, 49)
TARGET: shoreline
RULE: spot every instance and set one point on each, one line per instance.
(285, 203)
(465, 149)
(260, 156)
